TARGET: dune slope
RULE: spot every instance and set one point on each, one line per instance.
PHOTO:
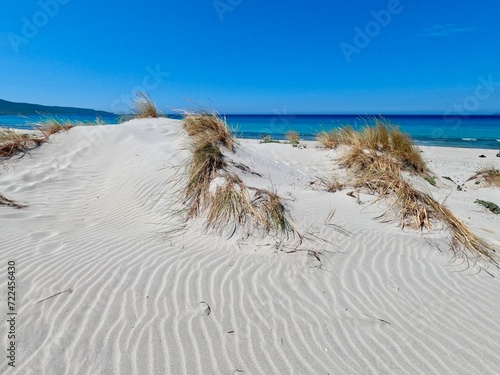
(146, 293)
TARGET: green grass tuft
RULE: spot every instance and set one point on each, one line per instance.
(268, 139)
(448, 178)
(489, 205)
(430, 179)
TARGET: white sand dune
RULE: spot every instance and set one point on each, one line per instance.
(154, 295)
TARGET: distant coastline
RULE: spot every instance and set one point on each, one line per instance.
(13, 108)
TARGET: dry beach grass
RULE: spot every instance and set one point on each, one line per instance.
(292, 137)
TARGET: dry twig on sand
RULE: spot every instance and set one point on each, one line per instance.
(4, 201)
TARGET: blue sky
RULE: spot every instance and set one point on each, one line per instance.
(255, 56)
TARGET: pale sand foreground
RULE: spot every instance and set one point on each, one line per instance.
(99, 221)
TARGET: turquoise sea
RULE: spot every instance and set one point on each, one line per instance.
(431, 130)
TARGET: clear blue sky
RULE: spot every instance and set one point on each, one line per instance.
(255, 56)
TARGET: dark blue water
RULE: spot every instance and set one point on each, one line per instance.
(471, 132)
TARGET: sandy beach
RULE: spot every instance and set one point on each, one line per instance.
(111, 280)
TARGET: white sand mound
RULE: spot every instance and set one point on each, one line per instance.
(150, 296)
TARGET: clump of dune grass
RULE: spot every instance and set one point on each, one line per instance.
(292, 137)
(210, 126)
(387, 140)
(4, 201)
(380, 137)
(13, 142)
(144, 107)
(490, 176)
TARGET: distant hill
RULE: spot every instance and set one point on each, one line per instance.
(11, 108)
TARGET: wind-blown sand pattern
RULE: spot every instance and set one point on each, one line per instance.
(145, 293)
